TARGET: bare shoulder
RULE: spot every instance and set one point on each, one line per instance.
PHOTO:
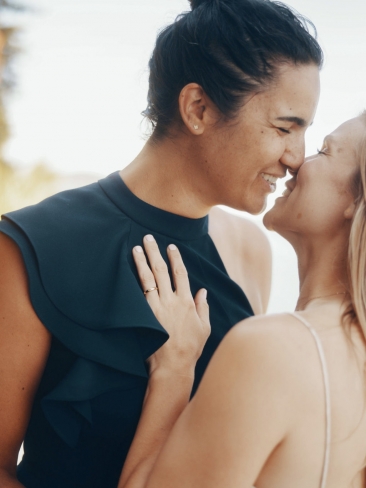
(245, 232)
(272, 330)
(272, 343)
(16, 306)
(10, 258)
(261, 366)
(246, 252)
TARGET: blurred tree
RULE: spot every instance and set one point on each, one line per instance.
(17, 188)
(7, 51)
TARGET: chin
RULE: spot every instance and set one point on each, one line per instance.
(268, 221)
(256, 208)
(273, 218)
(277, 222)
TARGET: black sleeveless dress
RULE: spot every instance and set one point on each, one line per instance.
(77, 249)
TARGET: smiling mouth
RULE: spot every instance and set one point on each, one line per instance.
(271, 180)
(290, 186)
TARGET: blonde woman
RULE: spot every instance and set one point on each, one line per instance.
(282, 403)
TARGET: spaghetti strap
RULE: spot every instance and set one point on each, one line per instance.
(327, 397)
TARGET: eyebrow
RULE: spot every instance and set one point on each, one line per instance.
(296, 120)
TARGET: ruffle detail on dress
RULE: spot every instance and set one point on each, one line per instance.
(101, 314)
(70, 405)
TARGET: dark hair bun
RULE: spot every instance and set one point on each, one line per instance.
(231, 48)
(197, 3)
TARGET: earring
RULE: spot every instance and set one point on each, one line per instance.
(195, 127)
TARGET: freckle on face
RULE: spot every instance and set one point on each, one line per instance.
(299, 215)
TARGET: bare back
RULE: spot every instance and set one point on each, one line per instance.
(304, 449)
(266, 421)
(301, 455)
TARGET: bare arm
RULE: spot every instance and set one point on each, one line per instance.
(24, 348)
(167, 396)
(241, 412)
(172, 366)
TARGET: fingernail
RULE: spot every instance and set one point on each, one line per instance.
(172, 247)
(149, 238)
(204, 293)
(138, 249)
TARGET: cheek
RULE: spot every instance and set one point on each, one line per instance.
(261, 157)
(321, 209)
(271, 152)
(239, 157)
(302, 210)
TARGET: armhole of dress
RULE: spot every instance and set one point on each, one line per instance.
(327, 397)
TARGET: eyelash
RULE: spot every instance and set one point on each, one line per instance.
(286, 131)
(321, 152)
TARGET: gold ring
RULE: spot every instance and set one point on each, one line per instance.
(151, 289)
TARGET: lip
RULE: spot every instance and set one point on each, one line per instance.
(279, 176)
(271, 185)
(290, 186)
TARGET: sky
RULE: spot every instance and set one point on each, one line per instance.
(82, 84)
(82, 77)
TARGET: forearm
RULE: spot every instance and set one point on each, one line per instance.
(167, 396)
(7, 480)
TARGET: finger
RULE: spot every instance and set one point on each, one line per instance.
(147, 279)
(158, 266)
(179, 272)
(203, 309)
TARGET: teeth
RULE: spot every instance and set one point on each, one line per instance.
(271, 180)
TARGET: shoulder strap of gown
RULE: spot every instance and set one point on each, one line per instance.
(327, 397)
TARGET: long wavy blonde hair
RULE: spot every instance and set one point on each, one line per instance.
(356, 311)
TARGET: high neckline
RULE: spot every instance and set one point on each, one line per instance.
(153, 218)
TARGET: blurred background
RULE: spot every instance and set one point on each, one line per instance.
(74, 82)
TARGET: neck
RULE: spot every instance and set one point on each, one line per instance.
(166, 175)
(322, 269)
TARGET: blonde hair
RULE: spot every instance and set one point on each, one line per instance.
(356, 311)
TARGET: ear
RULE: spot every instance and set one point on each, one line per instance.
(350, 210)
(196, 109)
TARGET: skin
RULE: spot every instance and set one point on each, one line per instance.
(320, 184)
(258, 417)
(24, 347)
(189, 173)
(218, 164)
(222, 164)
(248, 261)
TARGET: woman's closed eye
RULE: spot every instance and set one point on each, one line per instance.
(322, 151)
(282, 129)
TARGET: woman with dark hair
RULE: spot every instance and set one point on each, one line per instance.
(234, 84)
(282, 402)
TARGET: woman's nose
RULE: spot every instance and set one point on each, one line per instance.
(293, 156)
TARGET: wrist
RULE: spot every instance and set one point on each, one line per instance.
(179, 379)
(172, 391)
